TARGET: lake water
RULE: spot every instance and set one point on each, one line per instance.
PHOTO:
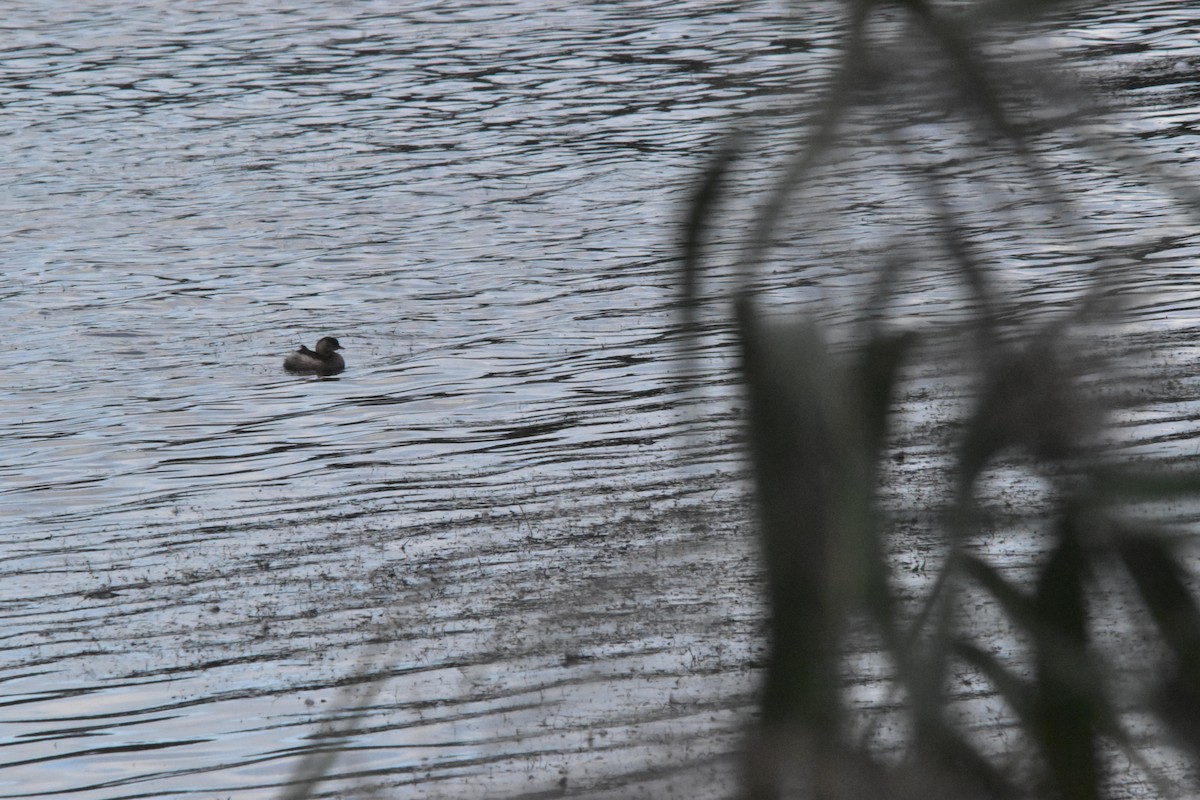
(506, 534)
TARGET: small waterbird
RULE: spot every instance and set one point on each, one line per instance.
(322, 361)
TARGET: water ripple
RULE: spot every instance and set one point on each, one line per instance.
(506, 529)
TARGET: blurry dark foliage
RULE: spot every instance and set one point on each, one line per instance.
(818, 424)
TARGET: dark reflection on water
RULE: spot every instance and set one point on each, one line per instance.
(489, 508)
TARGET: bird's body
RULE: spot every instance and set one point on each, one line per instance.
(322, 361)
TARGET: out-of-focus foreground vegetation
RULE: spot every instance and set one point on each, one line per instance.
(820, 408)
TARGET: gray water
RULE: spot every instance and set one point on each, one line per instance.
(489, 534)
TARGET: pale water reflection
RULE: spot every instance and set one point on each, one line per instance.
(204, 557)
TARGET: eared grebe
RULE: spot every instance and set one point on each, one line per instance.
(322, 361)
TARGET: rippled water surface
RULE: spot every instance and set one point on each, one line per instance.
(493, 508)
